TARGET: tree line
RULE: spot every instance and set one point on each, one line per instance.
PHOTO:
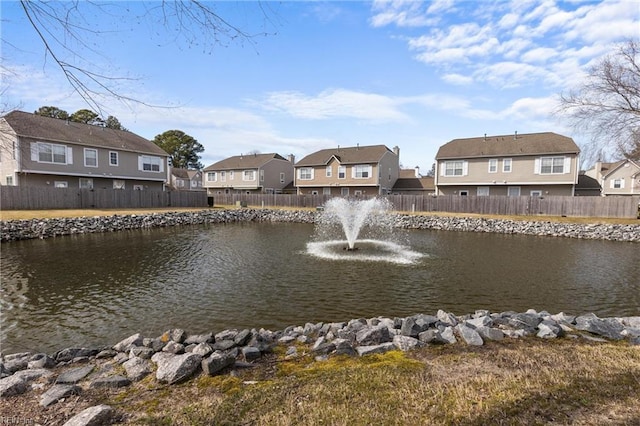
(184, 150)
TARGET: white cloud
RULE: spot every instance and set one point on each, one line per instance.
(457, 79)
(539, 54)
(403, 13)
(335, 103)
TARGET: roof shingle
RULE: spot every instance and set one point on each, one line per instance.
(249, 161)
(349, 155)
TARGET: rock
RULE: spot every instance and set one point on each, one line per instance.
(176, 368)
(199, 338)
(57, 392)
(111, 382)
(203, 349)
(223, 345)
(489, 333)
(469, 335)
(368, 336)
(41, 361)
(173, 348)
(137, 368)
(97, 415)
(448, 335)
(480, 321)
(413, 326)
(126, 344)
(216, 362)
(446, 318)
(141, 352)
(13, 385)
(405, 343)
(74, 375)
(324, 348)
(242, 338)
(251, 353)
(375, 349)
(343, 347)
(607, 327)
(549, 329)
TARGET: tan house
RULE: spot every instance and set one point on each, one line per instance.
(411, 182)
(246, 174)
(186, 180)
(535, 164)
(353, 171)
(618, 178)
(44, 151)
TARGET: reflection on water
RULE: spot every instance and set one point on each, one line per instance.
(93, 290)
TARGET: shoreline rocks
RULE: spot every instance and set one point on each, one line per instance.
(48, 228)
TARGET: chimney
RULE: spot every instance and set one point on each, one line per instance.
(515, 135)
(396, 150)
(485, 137)
(291, 158)
(357, 146)
(417, 169)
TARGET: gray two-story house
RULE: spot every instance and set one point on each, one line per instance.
(534, 164)
(44, 151)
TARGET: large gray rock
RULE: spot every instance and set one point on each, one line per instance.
(251, 353)
(57, 392)
(605, 327)
(98, 415)
(199, 338)
(74, 375)
(137, 368)
(13, 385)
(41, 361)
(111, 382)
(549, 329)
(375, 349)
(405, 343)
(446, 318)
(176, 368)
(414, 325)
(490, 333)
(480, 321)
(373, 336)
(126, 344)
(217, 362)
(469, 335)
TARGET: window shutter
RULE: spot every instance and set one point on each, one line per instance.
(622, 183)
(162, 161)
(536, 166)
(612, 184)
(140, 161)
(465, 168)
(567, 165)
(443, 167)
(34, 151)
(70, 155)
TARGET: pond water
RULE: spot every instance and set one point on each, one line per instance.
(94, 290)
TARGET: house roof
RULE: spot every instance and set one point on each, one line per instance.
(508, 145)
(349, 155)
(612, 167)
(183, 173)
(249, 161)
(414, 183)
(587, 182)
(57, 130)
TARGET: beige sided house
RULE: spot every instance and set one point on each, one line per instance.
(410, 182)
(186, 180)
(535, 164)
(247, 174)
(619, 178)
(44, 151)
(353, 171)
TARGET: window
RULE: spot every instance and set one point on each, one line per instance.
(357, 192)
(223, 177)
(281, 177)
(513, 191)
(261, 175)
(328, 171)
(536, 193)
(60, 184)
(113, 158)
(506, 165)
(344, 191)
(493, 165)
(455, 168)
(617, 183)
(9, 180)
(86, 183)
(326, 191)
(314, 192)
(212, 176)
(118, 184)
(553, 165)
(249, 175)
(483, 191)
(305, 173)
(51, 153)
(361, 171)
(150, 163)
(231, 175)
(464, 193)
(90, 157)
(342, 172)
(138, 187)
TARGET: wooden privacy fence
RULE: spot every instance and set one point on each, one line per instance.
(617, 206)
(43, 198)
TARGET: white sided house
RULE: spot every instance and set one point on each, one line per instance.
(44, 151)
(535, 164)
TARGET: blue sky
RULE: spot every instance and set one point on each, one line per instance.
(318, 74)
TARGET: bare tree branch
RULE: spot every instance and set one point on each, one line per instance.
(607, 104)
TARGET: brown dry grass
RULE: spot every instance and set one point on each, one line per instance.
(526, 381)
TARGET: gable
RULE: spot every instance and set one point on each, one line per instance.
(351, 155)
(241, 162)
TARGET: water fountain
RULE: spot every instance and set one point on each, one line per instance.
(353, 229)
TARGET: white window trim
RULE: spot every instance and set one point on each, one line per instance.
(328, 171)
(151, 160)
(252, 173)
(88, 181)
(513, 188)
(506, 161)
(212, 176)
(282, 177)
(86, 151)
(464, 165)
(60, 184)
(307, 176)
(483, 191)
(117, 158)
(342, 170)
(566, 165)
(358, 170)
(35, 153)
(493, 165)
(223, 176)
